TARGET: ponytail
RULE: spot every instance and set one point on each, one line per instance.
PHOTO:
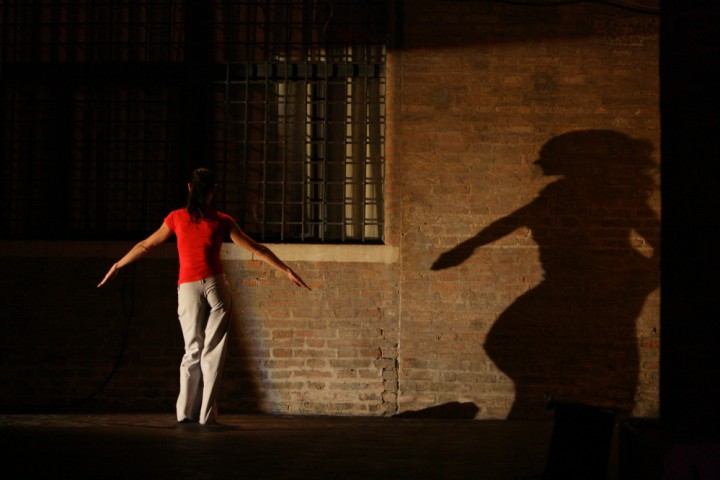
(201, 183)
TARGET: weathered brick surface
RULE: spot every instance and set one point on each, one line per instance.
(568, 290)
(325, 351)
(559, 298)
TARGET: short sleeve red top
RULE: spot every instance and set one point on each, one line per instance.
(199, 243)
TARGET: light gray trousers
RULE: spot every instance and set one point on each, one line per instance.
(204, 310)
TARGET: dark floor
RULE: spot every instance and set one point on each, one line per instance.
(136, 446)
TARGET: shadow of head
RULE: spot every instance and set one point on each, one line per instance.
(595, 152)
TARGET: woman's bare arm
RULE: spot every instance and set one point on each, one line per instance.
(138, 251)
(265, 254)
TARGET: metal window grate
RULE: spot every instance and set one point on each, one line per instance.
(284, 99)
(307, 160)
(303, 118)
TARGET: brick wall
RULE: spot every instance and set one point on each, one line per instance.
(555, 288)
(67, 344)
(499, 277)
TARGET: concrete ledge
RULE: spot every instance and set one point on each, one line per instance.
(113, 250)
(320, 253)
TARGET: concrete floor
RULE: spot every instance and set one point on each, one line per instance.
(140, 446)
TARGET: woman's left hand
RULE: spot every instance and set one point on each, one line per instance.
(297, 280)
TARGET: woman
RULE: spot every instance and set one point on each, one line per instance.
(204, 298)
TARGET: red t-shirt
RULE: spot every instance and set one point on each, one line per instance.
(199, 243)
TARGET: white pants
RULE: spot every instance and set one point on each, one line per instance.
(204, 310)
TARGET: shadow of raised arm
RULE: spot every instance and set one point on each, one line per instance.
(463, 251)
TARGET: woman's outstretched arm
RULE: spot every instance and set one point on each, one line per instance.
(265, 254)
(138, 251)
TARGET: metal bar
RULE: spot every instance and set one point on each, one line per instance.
(246, 136)
(305, 166)
(324, 160)
(227, 140)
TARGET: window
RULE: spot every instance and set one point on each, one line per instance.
(284, 99)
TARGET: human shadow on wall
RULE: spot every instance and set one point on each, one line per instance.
(573, 337)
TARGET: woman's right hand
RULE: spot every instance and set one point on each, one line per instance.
(112, 273)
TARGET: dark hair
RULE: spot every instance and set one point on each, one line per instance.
(202, 182)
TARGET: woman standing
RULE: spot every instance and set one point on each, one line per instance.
(204, 298)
